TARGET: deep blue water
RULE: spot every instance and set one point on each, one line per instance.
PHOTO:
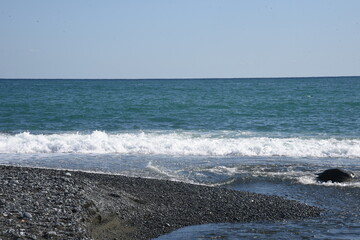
(261, 135)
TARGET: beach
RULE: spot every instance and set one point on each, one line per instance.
(39, 203)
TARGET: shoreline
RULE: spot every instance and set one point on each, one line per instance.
(40, 203)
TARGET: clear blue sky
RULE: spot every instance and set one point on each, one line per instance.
(178, 38)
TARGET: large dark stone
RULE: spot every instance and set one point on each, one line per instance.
(335, 175)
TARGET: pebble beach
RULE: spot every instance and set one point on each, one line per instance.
(38, 203)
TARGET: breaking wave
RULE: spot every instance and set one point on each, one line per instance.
(178, 143)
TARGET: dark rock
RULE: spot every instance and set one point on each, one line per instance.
(335, 175)
(114, 195)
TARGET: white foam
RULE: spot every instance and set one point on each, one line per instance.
(161, 170)
(311, 180)
(230, 171)
(178, 143)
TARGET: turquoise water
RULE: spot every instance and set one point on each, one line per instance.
(263, 135)
(308, 106)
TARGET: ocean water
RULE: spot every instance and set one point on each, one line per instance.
(261, 135)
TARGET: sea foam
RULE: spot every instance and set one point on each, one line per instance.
(178, 143)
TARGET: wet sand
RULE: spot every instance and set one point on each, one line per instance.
(58, 204)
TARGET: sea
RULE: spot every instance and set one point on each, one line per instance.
(265, 135)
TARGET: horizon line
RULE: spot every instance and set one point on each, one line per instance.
(189, 78)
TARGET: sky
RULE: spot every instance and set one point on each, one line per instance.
(179, 38)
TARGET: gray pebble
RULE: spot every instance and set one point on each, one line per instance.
(26, 215)
(51, 233)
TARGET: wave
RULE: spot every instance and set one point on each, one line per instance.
(179, 143)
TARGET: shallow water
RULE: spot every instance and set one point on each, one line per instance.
(340, 219)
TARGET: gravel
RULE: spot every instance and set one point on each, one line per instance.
(40, 203)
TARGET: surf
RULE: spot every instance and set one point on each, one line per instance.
(180, 143)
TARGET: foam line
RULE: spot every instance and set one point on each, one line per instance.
(178, 143)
